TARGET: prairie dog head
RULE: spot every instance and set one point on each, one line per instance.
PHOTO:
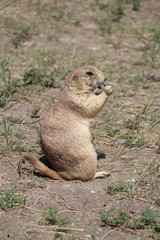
(88, 80)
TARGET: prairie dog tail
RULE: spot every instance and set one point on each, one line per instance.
(34, 161)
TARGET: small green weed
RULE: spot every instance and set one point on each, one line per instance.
(32, 147)
(21, 33)
(35, 181)
(118, 13)
(112, 132)
(133, 140)
(149, 113)
(63, 16)
(147, 220)
(120, 219)
(156, 32)
(19, 30)
(136, 5)
(8, 91)
(5, 68)
(132, 124)
(8, 199)
(8, 132)
(150, 173)
(14, 120)
(38, 76)
(58, 235)
(151, 56)
(12, 139)
(136, 78)
(54, 218)
(35, 111)
(127, 187)
(158, 146)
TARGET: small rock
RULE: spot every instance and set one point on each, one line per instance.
(71, 190)
(92, 191)
(122, 140)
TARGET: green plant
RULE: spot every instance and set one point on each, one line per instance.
(38, 76)
(112, 132)
(120, 186)
(8, 132)
(120, 219)
(158, 146)
(150, 173)
(104, 26)
(8, 199)
(156, 32)
(157, 226)
(21, 33)
(8, 91)
(35, 111)
(136, 5)
(147, 219)
(136, 78)
(54, 218)
(35, 181)
(12, 138)
(58, 235)
(5, 69)
(118, 13)
(150, 57)
(133, 140)
(32, 147)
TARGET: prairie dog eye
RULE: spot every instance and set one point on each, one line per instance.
(89, 73)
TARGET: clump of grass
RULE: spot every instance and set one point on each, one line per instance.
(19, 30)
(133, 140)
(135, 79)
(30, 148)
(8, 132)
(132, 124)
(136, 5)
(35, 180)
(127, 187)
(38, 76)
(118, 13)
(43, 77)
(35, 111)
(156, 32)
(158, 146)
(147, 220)
(111, 131)
(54, 218)
(150, 57)
(120, 219)
(58, 235)
(149, 173)
(5, 68)
(8, 90)
(12, 139)
(8, 199)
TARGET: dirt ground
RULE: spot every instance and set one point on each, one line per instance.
(40, 43)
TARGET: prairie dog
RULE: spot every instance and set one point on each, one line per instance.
(65, 136)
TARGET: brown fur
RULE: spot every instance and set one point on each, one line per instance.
(65, 136)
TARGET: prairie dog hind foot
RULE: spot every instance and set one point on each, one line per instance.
(102, 174)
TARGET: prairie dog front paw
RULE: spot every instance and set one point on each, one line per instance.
(108, 89)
